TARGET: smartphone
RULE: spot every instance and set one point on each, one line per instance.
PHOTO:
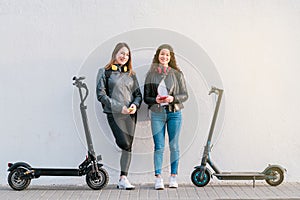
(163, 97)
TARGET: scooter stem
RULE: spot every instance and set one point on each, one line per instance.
(207, 148)
(79, 84)
(218, 92)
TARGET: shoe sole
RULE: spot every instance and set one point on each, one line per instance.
(159, 188)
(123, 188)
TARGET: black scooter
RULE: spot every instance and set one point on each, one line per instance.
(97, 178)
(273, 174)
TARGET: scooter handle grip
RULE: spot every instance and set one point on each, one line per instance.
(79, 78)
(212, 90)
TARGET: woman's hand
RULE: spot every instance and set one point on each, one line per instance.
(169, 99)
(125, 110)
(131, 110)
(164, 99)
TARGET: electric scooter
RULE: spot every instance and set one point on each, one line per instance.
(21, 173)
(273, 174)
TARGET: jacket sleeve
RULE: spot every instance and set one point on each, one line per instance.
(182, 96)
(101, 90)
(137, 95)
(149, 98)
(103, 97)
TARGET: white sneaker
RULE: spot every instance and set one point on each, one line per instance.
(173, 183)
(124, 184)
(159, 184)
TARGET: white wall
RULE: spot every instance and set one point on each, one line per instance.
(251, 47)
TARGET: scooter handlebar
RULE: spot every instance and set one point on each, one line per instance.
(79, 78)
(78, 81)
(214, 90)
(80, 85)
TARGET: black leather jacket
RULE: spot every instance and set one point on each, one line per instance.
(123, 90)
(176, 87)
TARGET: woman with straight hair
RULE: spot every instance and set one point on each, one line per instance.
(119, 93)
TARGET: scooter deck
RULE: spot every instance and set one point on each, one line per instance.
(55, 172)
(240, 176)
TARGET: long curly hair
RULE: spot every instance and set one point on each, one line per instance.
(172, 63)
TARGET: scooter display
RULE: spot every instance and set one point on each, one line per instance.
(21, 173)
(273, 174)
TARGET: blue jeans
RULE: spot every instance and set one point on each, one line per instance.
(159, 122)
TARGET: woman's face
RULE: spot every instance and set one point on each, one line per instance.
(164, 57)
(122, 56)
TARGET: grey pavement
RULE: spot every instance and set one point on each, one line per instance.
(219, 190)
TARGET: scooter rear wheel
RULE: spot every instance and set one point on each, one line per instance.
(275, 176)
(95, 182)
(15, 180)
(195, 177)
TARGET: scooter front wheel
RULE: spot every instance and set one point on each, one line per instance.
(196, 178)
(274, 176)
(16, 181)
(97, 182)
